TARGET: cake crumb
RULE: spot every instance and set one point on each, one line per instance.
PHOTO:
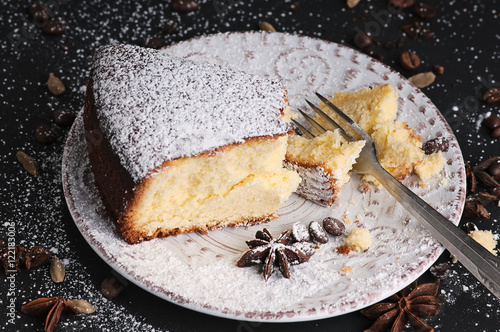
(347, 269)
(345, 249)
(359, 239)
(486, 239)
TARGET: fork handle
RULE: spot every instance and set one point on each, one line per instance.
(478, 260)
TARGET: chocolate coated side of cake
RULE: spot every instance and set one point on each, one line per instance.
(113, 182)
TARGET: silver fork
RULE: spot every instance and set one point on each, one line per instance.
(479, 261)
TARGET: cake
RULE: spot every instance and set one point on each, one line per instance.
(323, 163)
(178, 146)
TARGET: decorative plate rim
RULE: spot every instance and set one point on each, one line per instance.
(284, 316)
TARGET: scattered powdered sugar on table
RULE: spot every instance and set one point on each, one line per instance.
(155, 107)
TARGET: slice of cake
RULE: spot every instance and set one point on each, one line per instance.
(177, 146)
(323, 163)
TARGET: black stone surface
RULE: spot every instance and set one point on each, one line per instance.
(466, 43)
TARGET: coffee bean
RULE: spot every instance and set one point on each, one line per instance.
(333, 226)
(184, 6)
(409, 60)
(362, 40)
(154, 42)
(170, 28)
(111, 288)
(492, 95)
(64, 117)
(425, 11)
(412, 30)
(492, 121)
(439, 70)
(402, 3)
(318, 233)
(494, 170)
(496, 133)
(295, 6)
(440, 270)
(40, 12)
(426, 33)
(54, 27)
(435, 145)
(44, 134)
(300, 233)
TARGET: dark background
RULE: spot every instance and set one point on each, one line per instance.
(466, 43)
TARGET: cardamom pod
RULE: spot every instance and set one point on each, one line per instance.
(57, 270)
(423, 80)
(81, 306)
(55, 85)
(28, 163)
(263, 25)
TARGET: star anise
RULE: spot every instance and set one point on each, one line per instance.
(411, 305)
(53, 308)
(281, 252)
(21, 258)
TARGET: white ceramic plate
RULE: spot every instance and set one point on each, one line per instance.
(198, 271)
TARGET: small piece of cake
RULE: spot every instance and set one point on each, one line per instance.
(430, 166)
(359, 239)
(368, 107)
(177, 146)
(399, 149)
(486, 239)
(323, 163)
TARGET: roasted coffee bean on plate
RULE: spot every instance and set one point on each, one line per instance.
(333, 226)
(402, 3)
(409, 60)
(318, 233)
(64, 117)
(435, 145)
(44, 134)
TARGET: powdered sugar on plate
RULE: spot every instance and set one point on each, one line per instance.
(199, 271)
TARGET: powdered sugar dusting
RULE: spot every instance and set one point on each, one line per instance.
(155, 107)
